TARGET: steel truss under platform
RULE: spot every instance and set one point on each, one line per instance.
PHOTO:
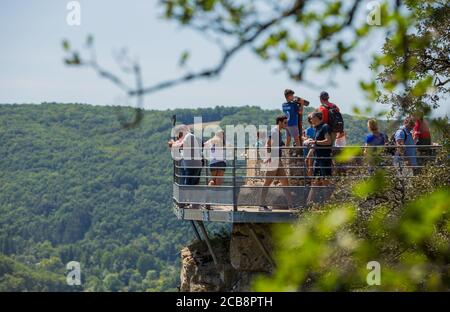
(244, 215)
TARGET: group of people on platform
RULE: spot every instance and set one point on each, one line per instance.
(317, 143)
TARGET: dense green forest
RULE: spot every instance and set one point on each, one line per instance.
(75, 185)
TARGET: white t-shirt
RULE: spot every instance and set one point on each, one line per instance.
(216, 152)
(340, 142)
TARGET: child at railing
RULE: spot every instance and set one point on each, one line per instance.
(375, 138)
(341, 139)
(310, 134)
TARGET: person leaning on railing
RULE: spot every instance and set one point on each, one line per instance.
(322, 145)
(375, 138)
(310, 134)
(406, 149)
(190, 154)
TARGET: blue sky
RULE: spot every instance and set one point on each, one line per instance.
(32, 71)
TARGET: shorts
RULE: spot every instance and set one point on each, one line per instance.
(221, 165)
(322, 167)
(292, 131)
(277, 172)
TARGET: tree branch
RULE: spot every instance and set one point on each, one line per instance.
(216, 70)
(316, 52)
(441, 83)
(107, 75)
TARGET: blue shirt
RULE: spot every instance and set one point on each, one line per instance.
(291, 109)
(406, 135)
(373, 140)
(310, 132)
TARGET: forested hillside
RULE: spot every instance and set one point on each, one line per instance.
(75, 185)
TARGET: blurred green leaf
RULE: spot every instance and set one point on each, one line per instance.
(419, 217)
(66, 45)
(422, 86)
(183, 58)
(373, 185)
(283, 56)
(347, 154)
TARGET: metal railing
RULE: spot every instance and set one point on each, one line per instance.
(296, 174)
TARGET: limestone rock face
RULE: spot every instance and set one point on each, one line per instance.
(199, 273)
(240, 259)
(245, 254)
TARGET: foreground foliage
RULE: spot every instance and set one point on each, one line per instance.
(402, 225)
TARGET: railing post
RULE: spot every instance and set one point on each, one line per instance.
(174, 172)
(305, 166)
(234, 180)
(207, 172)
(174, 138)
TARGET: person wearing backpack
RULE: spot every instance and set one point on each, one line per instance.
(331, 115)
(406, 149)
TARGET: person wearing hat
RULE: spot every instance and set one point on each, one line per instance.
(293, 109)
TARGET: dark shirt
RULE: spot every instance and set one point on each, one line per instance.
(321, 131)
(277, 140)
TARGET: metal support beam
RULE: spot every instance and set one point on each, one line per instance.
(208, 243)
(260, 245)
(197, 234)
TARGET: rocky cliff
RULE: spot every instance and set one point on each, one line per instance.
(239, 259)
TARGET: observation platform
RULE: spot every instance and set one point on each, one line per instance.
(238, 195)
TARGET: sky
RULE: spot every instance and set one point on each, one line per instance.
(32, 69)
